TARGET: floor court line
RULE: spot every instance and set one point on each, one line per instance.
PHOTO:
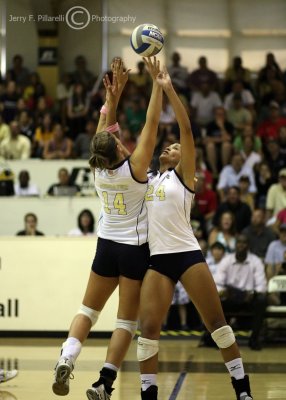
(178, 386)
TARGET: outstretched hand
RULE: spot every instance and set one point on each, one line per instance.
(121, 74)
(111, 88)
(163, 79)
(153, 67)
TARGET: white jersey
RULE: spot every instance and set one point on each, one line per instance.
(123, 216)
(169, 204)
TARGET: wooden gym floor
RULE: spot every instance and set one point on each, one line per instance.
(187, 372)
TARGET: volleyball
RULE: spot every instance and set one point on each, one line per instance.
(147, 40)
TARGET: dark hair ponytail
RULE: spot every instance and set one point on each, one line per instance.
(103, 151)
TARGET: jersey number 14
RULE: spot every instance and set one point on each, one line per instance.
(118, 203)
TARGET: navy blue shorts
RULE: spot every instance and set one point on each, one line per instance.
(114, 259)
(173, 265)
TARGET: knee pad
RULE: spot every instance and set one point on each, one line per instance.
(130, 326)
(89, 313)
(224, 337)
(146, 348)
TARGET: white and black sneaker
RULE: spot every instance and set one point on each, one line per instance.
(98, 393)
(63, 373)
(6, 375)
(242, 386)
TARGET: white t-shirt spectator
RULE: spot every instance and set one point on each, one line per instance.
(275, 252)
(31, 190)
(246, 96)
(229, 177)
(205, 106)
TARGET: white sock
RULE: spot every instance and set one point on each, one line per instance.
(71, 348)
(110, 366)
(148, 380)
(236, 370)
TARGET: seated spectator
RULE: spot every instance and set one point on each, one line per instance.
(135, 115)
(198, 222)
(248, 100)
(60, 147)
(81, 74)
(280, 219)
(218, 141)
(81, 147)
(4, 129)
(270, 64)
(231, 173)
(263, 180)
(240, 210)
(275, 254)
(268, 89)
(274, 157)
(85, 224)
(245, 195)
(64, 186)
(236, 72)
(269, 128)
(276, 196)
(15, 146)
(248, 131)
(242, 285)
(34, 90)
(18, 72)
(203, 103)
(224, 233)
(141, 78)
(203, 75)
(205, 198)
(8, 102)
(31, 222)
(238, 115)
(43, 106)
(77, 110)
(24, 187)
(258, 234)
(179, 75)
(248, 153)
(64, 92)
(26, 125)
(127, 140)
(216, 254)
(44, 133)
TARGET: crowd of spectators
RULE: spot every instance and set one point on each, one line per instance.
(239, 127)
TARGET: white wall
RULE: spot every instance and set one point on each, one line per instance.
(48, 277)
(56, 216)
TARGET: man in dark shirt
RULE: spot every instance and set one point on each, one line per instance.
(259, 236)
(241, 210)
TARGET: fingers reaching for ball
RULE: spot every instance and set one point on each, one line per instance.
(153, 66)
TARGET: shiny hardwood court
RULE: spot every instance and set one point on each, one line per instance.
(205, 375)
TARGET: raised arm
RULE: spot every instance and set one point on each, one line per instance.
(114, 90)
(142, 155)
(186, 167)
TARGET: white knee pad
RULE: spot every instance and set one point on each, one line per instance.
(130, 326)
(224, 337)
(89, 313)
(146, 348)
